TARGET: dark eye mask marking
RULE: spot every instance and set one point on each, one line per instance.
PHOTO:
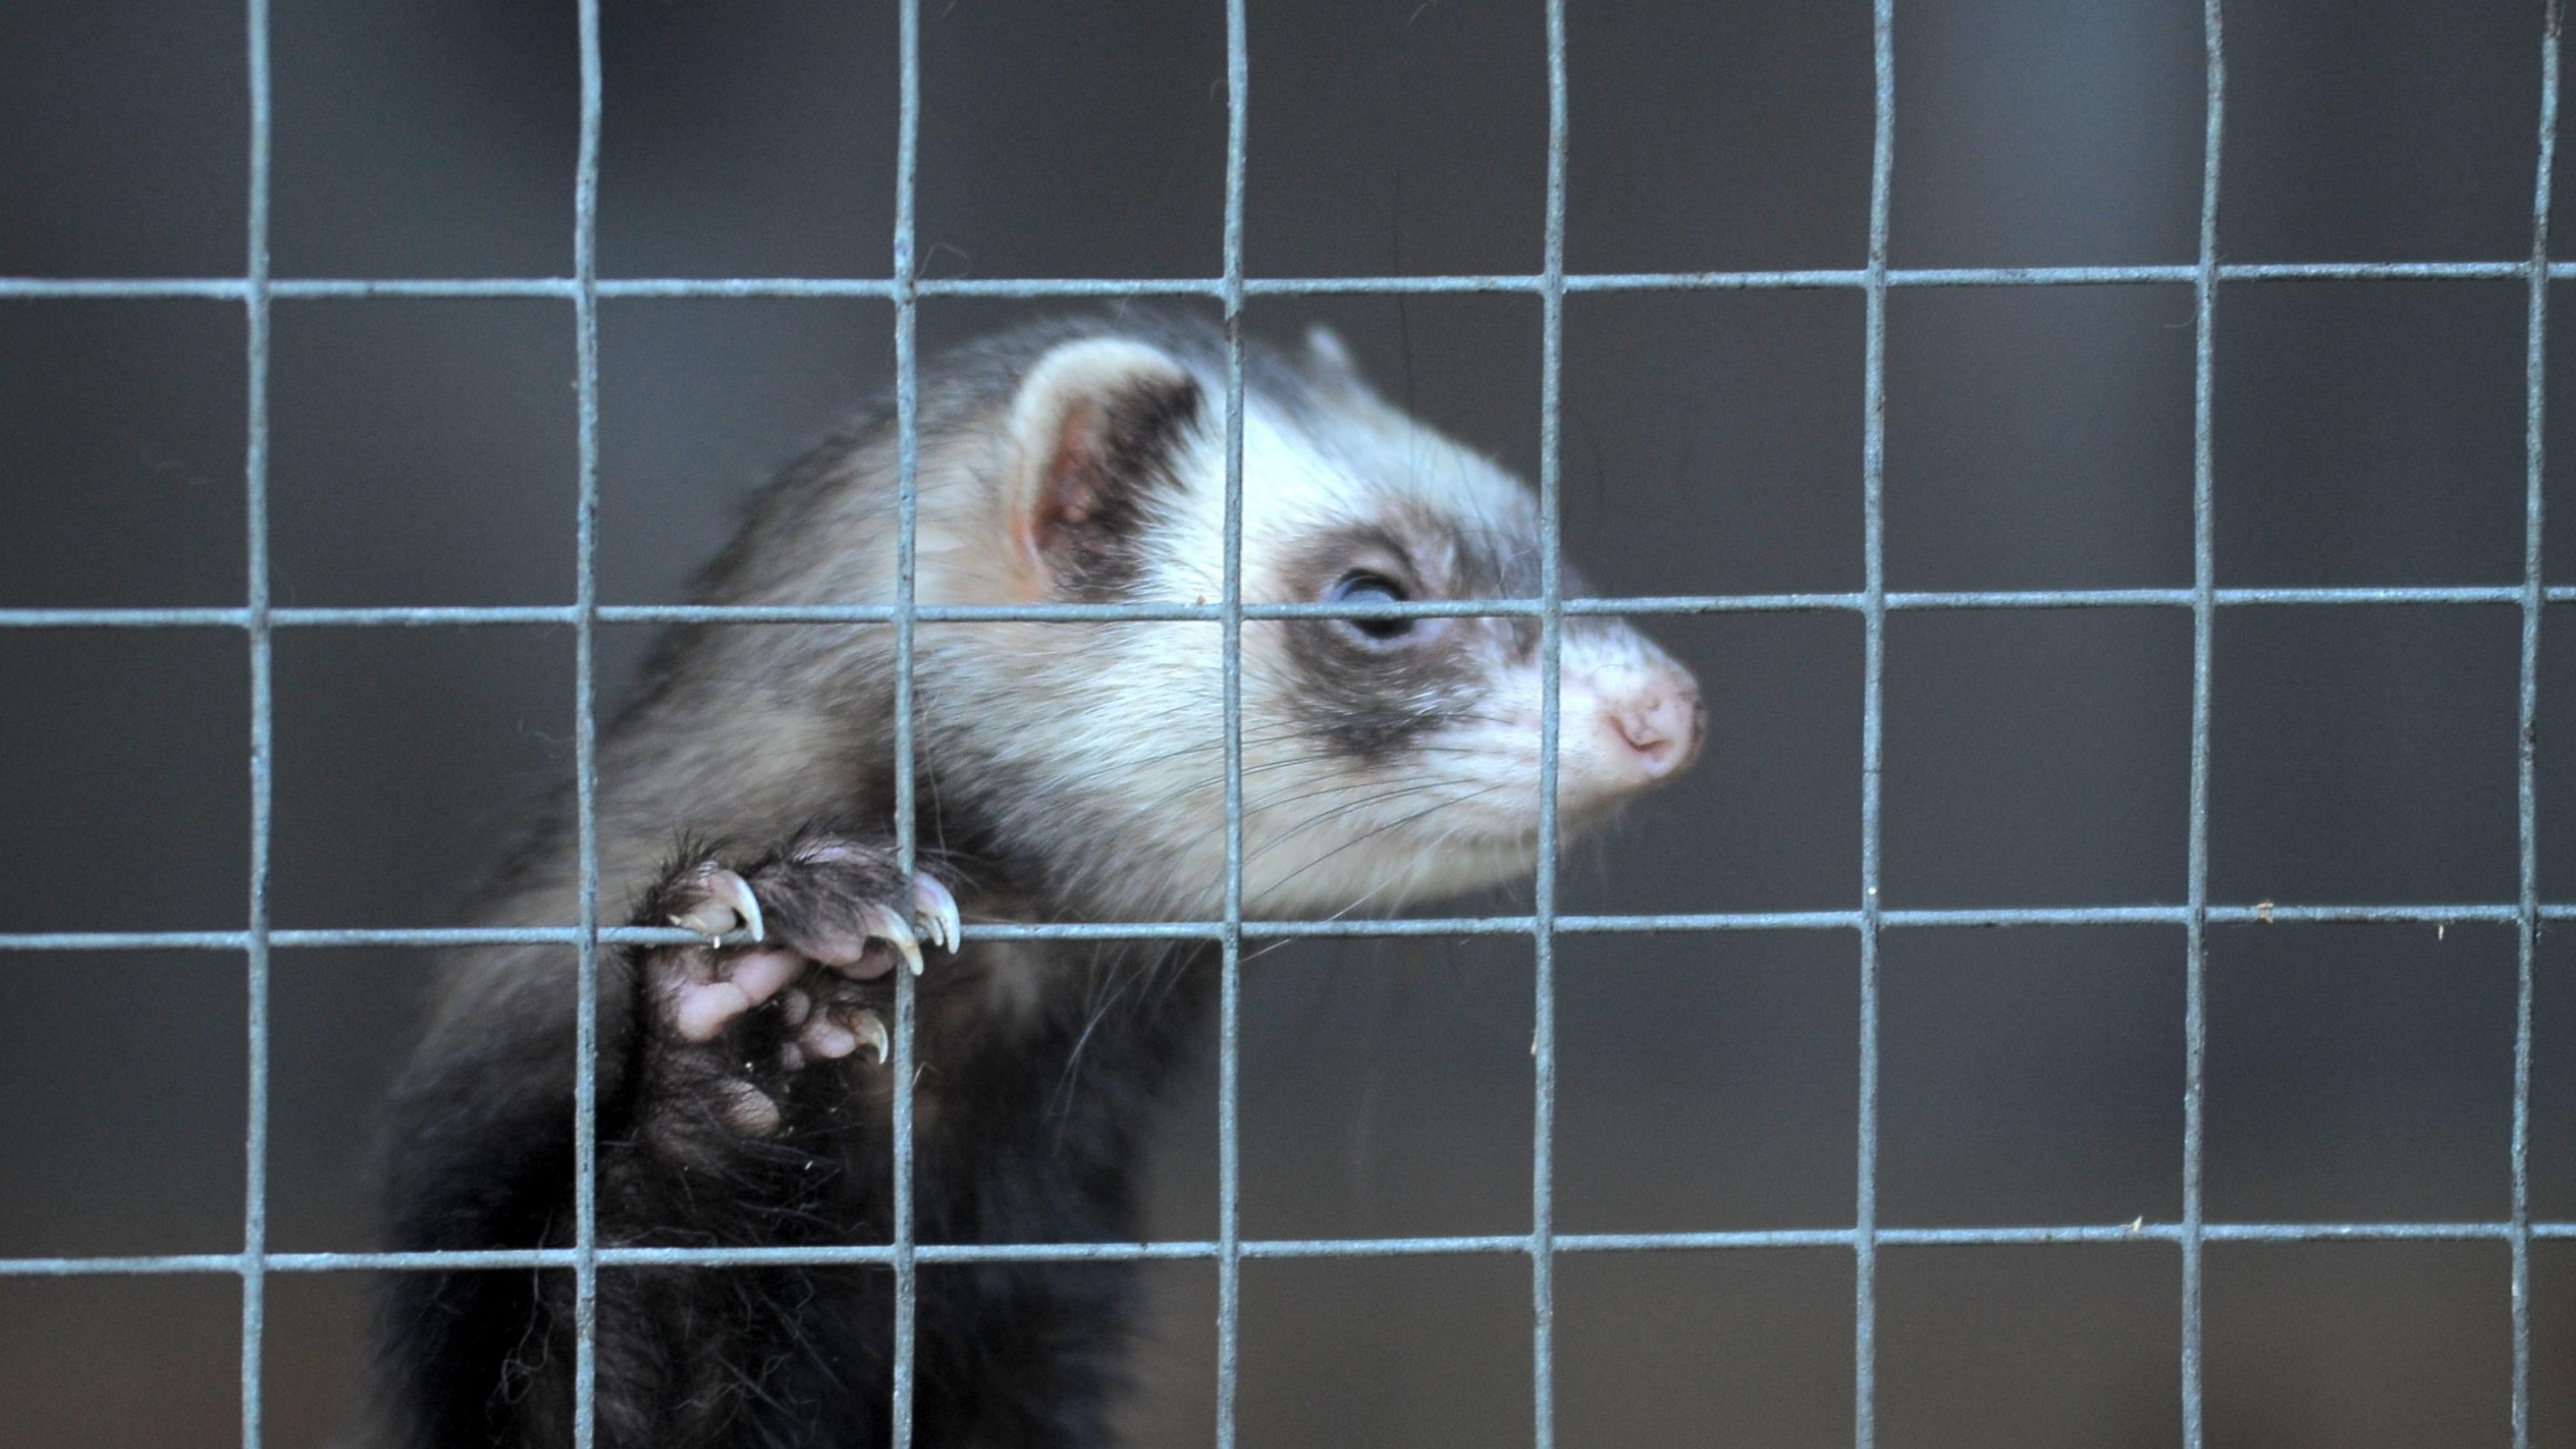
(1367, 697)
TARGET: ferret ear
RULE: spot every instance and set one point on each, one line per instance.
(1093, 431)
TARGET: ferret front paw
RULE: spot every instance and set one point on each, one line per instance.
(822, 921)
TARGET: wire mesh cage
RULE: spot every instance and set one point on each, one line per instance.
(262, 619)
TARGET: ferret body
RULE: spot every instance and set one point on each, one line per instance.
(1064, 772)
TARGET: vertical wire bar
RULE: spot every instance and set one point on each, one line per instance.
(2526, 790)
(1551, 644)
(1873, 683)
(2204, 311)
(262, 733)
(585, 732)
(907, 402)
(1229, 1188)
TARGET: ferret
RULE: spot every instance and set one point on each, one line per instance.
(1065, 772)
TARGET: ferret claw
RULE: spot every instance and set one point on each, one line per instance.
(794, 1006)
(888, 927)
(936, 912)
(870, 1029)
(729, 904)
(737, 893)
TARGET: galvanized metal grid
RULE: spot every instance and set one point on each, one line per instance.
(256, 290)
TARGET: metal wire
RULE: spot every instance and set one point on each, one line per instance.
(2526, 787)
(1229, 1099)
(255, 618)
(257, 290)
(880, 1254)
(585, 257)
(313, 289)
(2261, 913)
(907, 394)
(1542, 1240)
(1873, 484)
(2204, 620)
(1909, 601)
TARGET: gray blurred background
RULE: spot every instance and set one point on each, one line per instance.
(2367, 434)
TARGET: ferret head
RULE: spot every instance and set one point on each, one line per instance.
(1384, 759)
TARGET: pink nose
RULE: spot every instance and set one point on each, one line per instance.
(1663, 723)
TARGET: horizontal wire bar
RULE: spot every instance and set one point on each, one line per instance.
(236, 289)
(457, 615)
(434, 937)
(880, 1254)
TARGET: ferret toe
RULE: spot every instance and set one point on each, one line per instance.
(763, 974)
(877, 940)
(826, 1038)
(701, 1010)
(870, 1029)
(836, 1032)
(747, 1109)
(794, 1005)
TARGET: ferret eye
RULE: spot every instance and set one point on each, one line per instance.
(1372, 589)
